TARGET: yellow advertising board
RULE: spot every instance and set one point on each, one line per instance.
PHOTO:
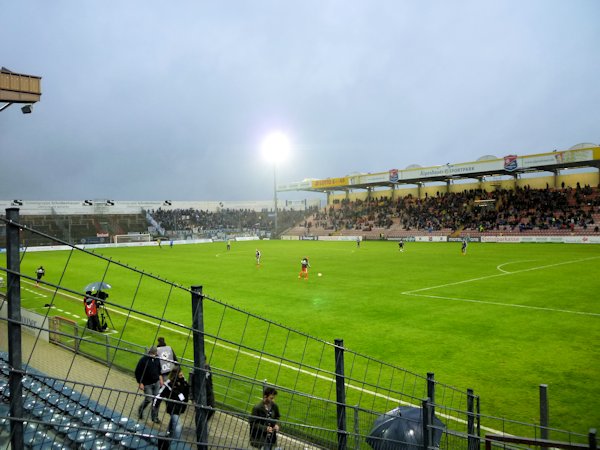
(329, 182)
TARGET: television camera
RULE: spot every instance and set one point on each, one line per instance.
(100, 297)
(99, 323)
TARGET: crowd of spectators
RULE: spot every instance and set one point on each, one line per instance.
(224, 220)
(519, 209)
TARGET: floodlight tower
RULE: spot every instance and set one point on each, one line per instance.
(275, 148)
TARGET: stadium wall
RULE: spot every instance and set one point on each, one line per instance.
(484, 239)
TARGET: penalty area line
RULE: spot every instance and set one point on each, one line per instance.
(512, 305)
(496, 275)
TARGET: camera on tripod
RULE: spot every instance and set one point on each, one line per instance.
(101, 296)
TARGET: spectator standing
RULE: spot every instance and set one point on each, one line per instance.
(167, 357)
(149, 378)
(263, 421)
(176, 393)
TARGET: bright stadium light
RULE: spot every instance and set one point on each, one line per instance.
(275, 148)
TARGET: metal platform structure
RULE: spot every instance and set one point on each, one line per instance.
(19, 88)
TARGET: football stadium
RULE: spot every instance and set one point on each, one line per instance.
(300, 225)
(441, 307)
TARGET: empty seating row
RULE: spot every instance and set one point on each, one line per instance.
(57, 416)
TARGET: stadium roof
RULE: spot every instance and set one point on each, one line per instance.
(579, 156)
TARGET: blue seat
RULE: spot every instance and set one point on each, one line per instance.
(82, 414)
(98, 444)
(91, 420)
(62, 423)
(136, 442)
(31, 403)
(45, 393)
(33, 434)
(49, 443)
(32, 385)
(67, 406)
(52, 398)
(133, 426)
(80, 437)
(108, 429)
(43, 414)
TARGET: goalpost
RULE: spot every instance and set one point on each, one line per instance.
(127, 238)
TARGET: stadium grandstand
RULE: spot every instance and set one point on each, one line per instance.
(544, 195)
(63, 385)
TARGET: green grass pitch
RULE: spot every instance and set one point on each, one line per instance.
(501, 320)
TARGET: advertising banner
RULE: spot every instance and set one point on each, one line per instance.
(33, 323)
(329, 182)
(431, 238)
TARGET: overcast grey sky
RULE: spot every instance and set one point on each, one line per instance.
(149, 100)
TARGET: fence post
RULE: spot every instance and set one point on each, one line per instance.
(473, 440)
(478, 415)
(431, 390)
(592, 439)
(340, 391)
(108, 349)
(544, 414)
(13, 292)
(199, 373)
(427, 423)
(356, 428)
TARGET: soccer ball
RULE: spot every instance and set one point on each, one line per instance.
(319, 274)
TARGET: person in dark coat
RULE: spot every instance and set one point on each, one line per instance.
(147, 374)
(263, 421)
(176, 393)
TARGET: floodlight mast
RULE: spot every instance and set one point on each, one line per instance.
(275, 148)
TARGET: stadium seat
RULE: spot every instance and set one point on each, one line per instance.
(128, 424)
(97, 444)
(61, 423)
(80, 437)
(135, 442)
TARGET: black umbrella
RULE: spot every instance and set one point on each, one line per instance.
(96, 286)
(402, 429)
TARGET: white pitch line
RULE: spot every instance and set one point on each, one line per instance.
(512, 262)
(504, 273)
(512, 305)
(39, 294)
(487, 277)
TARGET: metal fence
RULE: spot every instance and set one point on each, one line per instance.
(330, 396)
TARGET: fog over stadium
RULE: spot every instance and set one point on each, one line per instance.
(148, 100)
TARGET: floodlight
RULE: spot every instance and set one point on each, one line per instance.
(27, 109)
(276, 147)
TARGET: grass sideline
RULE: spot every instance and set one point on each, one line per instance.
(501, 320)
